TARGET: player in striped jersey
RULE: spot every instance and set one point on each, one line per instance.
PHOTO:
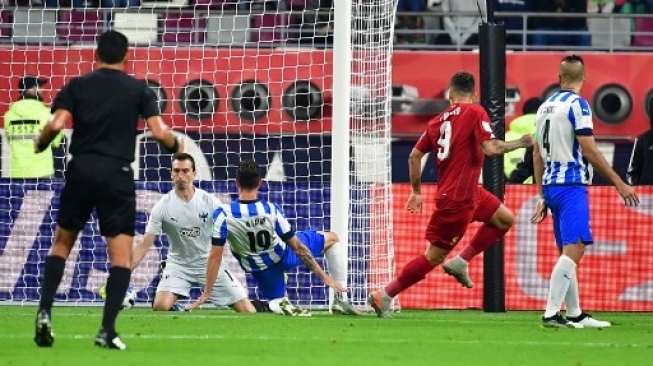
(184, 214)
(564, 148)
(260, 237)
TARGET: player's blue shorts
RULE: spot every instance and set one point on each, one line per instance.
(571, 213)
(271, 282)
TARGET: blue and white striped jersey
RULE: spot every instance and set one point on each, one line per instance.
(559, 120)
(256, 230)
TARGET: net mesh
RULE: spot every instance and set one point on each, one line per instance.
(239, 80)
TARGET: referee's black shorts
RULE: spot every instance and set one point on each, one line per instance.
(103, 183)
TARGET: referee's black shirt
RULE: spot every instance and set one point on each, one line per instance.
(105, 106)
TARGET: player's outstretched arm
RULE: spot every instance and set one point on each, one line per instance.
(495, 147)
(51, 130)
(139, 251)
(594, 156)
(164, 136)
(212, 269)
(304, 254)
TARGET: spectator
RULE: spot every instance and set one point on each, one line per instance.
(575, 29)
(23, 121)
(410, 22)
(267, 5)
(433, 23)
(70, 3)
(514, 24)
(634, 7)
(462, 29)
(120, 3)
(518, 164)
(316, 23)
(640, 171)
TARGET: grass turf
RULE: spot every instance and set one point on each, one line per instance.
(220, 337)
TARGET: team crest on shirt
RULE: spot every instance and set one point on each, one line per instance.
(204, 216)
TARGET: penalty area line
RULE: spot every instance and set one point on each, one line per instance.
(213, 337)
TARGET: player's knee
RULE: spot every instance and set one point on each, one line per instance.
(162, 304)
(503, 219)
(244, 306)
(330, 238)
(574, 251)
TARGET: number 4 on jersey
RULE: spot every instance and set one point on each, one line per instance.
(545, 136)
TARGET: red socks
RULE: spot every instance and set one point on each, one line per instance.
(413, 272)
(484, 238)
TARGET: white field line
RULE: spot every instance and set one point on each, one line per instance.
(190, 316)
(286, 338)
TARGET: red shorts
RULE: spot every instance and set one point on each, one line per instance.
(449, 220)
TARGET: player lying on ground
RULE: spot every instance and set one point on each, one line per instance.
(184, 215)
(565, 145)
(260, 238)
(460, 136)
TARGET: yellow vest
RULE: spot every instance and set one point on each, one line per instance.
(23, 122)
(518, 127)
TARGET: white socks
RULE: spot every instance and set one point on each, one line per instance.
(337, 263)
(572, 300)
(563, 274)
(275, 305)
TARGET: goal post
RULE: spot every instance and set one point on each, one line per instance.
(261, 84)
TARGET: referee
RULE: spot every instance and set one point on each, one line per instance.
(105, 106)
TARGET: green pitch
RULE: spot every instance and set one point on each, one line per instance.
(218, 337)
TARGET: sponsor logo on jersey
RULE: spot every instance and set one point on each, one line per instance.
(192, 232)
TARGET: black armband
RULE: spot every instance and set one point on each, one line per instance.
(174, 147)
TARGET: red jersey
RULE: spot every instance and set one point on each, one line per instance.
(456, 136)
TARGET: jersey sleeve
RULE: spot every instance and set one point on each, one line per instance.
(219, 236)
(64, 98)
(424, 144)
(580, 115)
(155, 222)
(215, 202)
(149, 105)
(482, 127)
(281, 225)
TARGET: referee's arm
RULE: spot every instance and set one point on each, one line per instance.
(51, 130)
(164, 136)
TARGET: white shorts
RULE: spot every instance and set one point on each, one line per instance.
(178, 280)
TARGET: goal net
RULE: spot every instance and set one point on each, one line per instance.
(239, 80)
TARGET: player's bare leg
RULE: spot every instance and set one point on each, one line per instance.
(495, 228)
(414, 271)
(164, 301)
(54, 267)
(244, 306)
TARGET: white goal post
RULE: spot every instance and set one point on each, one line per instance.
(304, 92)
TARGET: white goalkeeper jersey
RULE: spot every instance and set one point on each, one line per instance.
(559, 120)
(256, 230)
(188, 227)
